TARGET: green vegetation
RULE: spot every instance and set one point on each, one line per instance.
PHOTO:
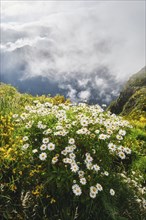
(132, 99)
(65, 161)
(13, 101)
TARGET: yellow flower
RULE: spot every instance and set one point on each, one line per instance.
(35, 192)
(52, 200)
(31, 173)
(2, 149)
(13, 187)
(20, 172)
(47, 196)
(14, 170)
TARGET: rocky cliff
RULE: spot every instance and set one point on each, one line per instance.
(132, 99)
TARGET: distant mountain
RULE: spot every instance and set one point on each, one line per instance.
(132, 99)
(99, 86)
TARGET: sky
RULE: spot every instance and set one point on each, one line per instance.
(84, 50)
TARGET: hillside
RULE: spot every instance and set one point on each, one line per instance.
(11, 100)
(132, 99)
(56, 158)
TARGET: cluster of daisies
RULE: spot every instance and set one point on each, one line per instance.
(92, 192)
(70, 126)
(119, 150)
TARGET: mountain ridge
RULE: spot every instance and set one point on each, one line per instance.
(132, 99)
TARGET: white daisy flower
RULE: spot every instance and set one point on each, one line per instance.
(84, 122)
(34, 151)
(96, 167)
(45, 140)
(93, 189)
(27, 126)
(83, 181)
(54, 160)
(111, 146)
(81, 173)
(15, 115)
(89, 165)
(76, 190)
(122, 132)
(119, 137)
(73, 147)
(121, 148)
(106, 173)
(41, 126)
(25, 146)
(79, 131)
(68, 126)
(74, 167)
(99, 187)
(72, 155)
(121, 155)
(43, 147)
(51, 146)
(109, 131)
(97, 131)
(59, 127)
(69, 160)
(65, 160)
(64, 152)
(25, 138)
(48, 104)
(89, 158)
(102, 136)
(48, 131)
(93, 195)
(94, 151)
(112, 192)
(69, 149)
(138, 200)
(71, 141)
(43, 156)
(127, 150)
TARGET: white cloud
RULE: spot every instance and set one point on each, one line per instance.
(72, 93)
(84, 95)
(85, 34)
(69, 41)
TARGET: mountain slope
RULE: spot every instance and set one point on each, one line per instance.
(132, 99)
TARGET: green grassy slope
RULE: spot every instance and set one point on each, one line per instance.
(108, 151)
(132, 99)
(13, 101)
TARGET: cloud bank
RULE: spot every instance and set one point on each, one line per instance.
(84, 50)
